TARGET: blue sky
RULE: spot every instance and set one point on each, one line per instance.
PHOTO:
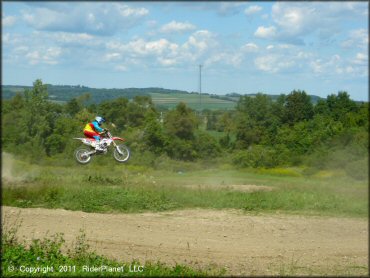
(244, 47)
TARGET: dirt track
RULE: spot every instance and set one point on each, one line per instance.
(241, 243)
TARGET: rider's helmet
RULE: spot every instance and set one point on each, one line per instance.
(100, 120)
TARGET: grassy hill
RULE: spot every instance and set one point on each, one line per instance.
(163, 98)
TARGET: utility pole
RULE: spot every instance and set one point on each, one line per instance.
(200, 88)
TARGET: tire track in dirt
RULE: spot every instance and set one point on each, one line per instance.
(244, 244)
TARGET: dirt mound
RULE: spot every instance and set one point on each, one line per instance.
(243, 244)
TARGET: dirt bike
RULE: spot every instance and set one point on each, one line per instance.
(83, 154)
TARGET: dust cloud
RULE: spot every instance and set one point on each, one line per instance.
(9, 172)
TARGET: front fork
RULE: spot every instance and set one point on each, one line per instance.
(116, 146)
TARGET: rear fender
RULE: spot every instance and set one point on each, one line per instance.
(86, 141)
(119, 139)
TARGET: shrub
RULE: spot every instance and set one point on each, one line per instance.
(256, 156)
(206, 145)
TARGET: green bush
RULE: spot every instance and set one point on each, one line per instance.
(257, 156)
(206, 146)
(177, 148)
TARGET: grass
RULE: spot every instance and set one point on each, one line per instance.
(44, 257)
(129, 188)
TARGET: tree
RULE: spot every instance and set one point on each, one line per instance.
(257, 108)
(137, 109)
(115, 111)
(226, 122)
(73, 107)
(339, 105)
(254, 117)
(36, 115)
(154, 137)
(181, 122)
(298, 107)
(55, 144)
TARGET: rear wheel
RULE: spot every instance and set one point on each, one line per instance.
(123, 154)
(82, 155)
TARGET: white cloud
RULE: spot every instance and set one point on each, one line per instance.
(6, 38)
(73, 38)
(83, 17)
(250, 47)
(361, 59)
(319, 66)
(49, 56)
(304, 55)
(126, 11)
(201, 47)
(295, 21)
(356, 38)
(227, 9)
(200, 41)
(8, 21)
(21, 49)
(142, 47)
(178, 27)
(112, 56)
(167, 61)
(252, 9)
(120, 68)
(273, 63)
(283, 58)
(224, 58)
(337, 65)
(140, 52)
(265, 32)
(12, 38)
(158, 46)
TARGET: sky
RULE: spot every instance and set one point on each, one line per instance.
(243, 47)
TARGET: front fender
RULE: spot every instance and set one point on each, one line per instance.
(118, 138)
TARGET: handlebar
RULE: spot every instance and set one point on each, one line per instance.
(105, 131)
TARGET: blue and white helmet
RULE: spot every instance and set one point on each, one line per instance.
(100, 120)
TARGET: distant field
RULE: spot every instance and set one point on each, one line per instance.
(161, 97)
(192, 100)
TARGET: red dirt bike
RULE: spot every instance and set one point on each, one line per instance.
(121, 152)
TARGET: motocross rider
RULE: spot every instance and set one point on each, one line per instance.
(93, 130)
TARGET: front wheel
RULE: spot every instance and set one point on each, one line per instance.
(82, 155)
(121, 153)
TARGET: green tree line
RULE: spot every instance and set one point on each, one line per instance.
(260, 132)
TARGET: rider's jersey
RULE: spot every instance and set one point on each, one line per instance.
(93, 126)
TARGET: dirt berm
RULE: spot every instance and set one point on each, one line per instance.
(243, 244)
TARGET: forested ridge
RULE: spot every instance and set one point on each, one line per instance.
(261, 132)
(67, 92)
